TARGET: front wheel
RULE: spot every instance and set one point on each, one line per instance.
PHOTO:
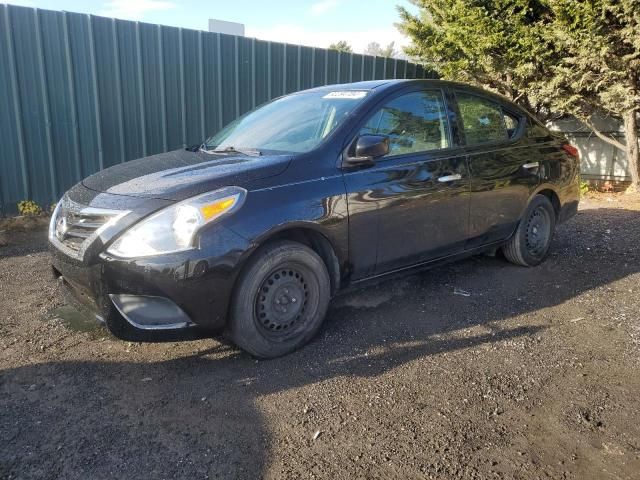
(530, 243)
(280, 300)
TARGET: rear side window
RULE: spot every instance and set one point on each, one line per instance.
(483, 120)
(415, 122)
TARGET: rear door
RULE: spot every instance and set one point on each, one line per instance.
(419, 191)
(502, 166)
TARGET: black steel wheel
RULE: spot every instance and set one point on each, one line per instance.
(280, 300)
(530, 243)
(538, 231)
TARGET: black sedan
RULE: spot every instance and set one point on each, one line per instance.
(256, 229)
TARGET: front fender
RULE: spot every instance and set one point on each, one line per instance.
(319, 206)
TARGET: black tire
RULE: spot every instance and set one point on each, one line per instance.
(530, 243)
(280, 300)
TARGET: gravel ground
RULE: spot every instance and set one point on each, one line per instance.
(534, 374)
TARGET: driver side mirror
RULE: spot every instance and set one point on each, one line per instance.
(367, 149)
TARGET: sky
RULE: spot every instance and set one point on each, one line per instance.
(308, 22)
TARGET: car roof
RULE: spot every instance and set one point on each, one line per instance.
(380, 86)
(386, 84)
(365, 85)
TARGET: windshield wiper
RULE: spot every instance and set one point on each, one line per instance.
(254, 152)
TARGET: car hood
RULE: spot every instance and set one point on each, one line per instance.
(182, 174)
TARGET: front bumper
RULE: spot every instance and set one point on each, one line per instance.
(194, 287)
(146, 312)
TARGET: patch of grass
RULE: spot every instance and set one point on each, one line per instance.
(584, 188)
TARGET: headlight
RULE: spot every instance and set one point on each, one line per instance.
(174, 228)
(54, 218)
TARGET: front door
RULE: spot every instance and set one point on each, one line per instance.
(412, 205)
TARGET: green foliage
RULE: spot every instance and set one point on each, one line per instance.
(29, 208)
(341, 46)
(597, 45)
(565, 56)
(584, 188)
(497, 44)
(554, 57)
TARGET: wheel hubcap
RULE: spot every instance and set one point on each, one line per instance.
(538, 231)
(281, 301)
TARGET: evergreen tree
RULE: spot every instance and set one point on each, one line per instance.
(552, 56)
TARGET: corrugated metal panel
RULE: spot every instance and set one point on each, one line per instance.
(60, 96)
(14, 175)
(32, 104)
(292, 78)
(173, 80)
(193, 95)
(109, 104)
(276, 63)
(332, 67)
(378, 68)
(133, 120)
(80, 64)
(245, 76)
(367, 67)
(262, 77)
(319, 67)
(356, 63)
(81, 93)
(152, 88)
(306, 59)
(411, 70)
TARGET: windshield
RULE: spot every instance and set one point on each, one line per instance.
(296, 123)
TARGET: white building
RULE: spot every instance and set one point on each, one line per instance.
(229, 28)
(600, 160)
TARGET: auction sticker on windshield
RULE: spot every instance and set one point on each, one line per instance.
(347, 94)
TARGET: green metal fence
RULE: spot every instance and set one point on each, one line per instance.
(80, 93)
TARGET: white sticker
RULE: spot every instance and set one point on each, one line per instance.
(347, 94)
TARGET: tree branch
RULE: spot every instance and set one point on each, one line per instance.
(602, 136)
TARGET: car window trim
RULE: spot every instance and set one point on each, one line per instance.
(458, 152)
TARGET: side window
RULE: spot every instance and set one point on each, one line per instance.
(415, 122)
(482, 119)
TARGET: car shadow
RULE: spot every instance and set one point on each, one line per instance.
(199, 415)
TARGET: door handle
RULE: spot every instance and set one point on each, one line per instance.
(531, 165)
(450, 178)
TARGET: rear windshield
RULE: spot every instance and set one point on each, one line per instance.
(295, 123)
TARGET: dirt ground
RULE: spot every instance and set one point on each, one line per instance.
(534, 374)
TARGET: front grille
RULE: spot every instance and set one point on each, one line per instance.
(74, 227)
(80, 227)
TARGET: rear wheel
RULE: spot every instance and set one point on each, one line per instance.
(530, 243)
(280, 300)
